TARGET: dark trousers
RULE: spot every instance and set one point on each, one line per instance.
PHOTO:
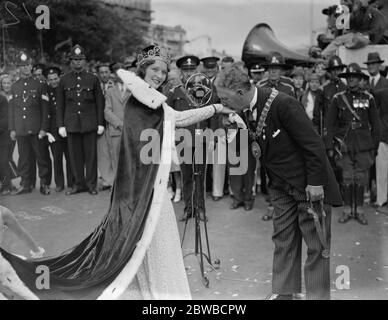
(5, 172)
(32, 174)
(263, 179)
(39, 148)
(291, 224)
(242, 185)
(11, 149)
(83, 157)
(187, 170)
(33, 164)
(59, 149)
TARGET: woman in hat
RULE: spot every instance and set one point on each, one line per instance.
(135, 252)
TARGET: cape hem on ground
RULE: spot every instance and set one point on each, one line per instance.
(74, 276)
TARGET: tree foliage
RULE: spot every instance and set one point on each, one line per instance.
(106, 32)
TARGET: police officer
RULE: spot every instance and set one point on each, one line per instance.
(329, 89)
(210, 67)
(353, 121)
(216, 177)
(38, 73)
(226, 61)
(275, 67)
(58, 144)
(80, 117)
(28, 124)
(178, 100)
(255, 71)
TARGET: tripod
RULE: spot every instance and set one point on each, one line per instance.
(196, 214)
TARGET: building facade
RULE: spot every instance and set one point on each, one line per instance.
(171, 37)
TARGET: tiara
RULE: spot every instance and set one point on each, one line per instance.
(157, 52)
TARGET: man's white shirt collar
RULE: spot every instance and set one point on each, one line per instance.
(376, 78)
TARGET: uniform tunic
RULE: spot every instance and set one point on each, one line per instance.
(80, 104)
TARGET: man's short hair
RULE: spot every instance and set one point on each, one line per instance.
(234, 77)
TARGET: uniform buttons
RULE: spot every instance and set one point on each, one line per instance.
(77, 85)
(78, 94)
(79, 112)
(55, 102)
(25, 83)
(79, 78)
(24, 91)
(24, 109)
(79, 103)
(24, 117)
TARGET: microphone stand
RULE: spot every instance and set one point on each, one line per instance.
(196, 210)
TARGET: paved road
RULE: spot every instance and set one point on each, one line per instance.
(240, 239)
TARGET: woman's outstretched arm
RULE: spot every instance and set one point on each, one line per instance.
(189, 117)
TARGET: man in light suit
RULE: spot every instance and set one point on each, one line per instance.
(300, 176)
(376, 81)
(116, 98)
(103, 156)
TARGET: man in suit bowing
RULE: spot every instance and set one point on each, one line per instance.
(300, 177)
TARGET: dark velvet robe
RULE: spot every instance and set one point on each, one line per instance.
(84, 271)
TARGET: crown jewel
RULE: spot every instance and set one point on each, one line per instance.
(157, 52)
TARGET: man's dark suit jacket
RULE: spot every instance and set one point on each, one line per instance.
(381, 98)
(291, 148)
(381, 84)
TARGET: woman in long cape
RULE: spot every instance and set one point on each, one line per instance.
(135, 252)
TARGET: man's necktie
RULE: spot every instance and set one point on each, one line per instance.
(372, 83)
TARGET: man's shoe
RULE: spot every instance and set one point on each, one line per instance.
(6, 191)
(248, 206)
(177, 196)
(236, 204)
(59, 189)
(382, 209)
(361, 219)
(275, 296)
(93, 192)
(268, 216)
(345, 217)
(45, 190)
(104, 188)
(74, 190)
(21, 190)
(186, 215)
(216, 198)
(202, 216)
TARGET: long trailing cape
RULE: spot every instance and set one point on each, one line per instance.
(104, 264)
